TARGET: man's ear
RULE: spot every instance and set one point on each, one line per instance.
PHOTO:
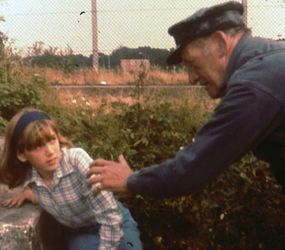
(21, 157)
(220, 41)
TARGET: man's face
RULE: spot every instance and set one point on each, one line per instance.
(205, 65)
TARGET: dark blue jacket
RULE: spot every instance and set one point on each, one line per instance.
(250, 116)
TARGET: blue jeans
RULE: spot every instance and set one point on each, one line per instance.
(88, 238)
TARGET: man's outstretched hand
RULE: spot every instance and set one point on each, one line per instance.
(109, 175)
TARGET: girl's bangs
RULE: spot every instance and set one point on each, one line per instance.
(37, 134)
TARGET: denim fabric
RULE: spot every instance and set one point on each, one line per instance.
(88, 238)
(131, 238)
(83, 239)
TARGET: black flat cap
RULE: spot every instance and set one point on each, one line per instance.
(202, 23)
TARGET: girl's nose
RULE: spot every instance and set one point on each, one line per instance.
(49, 149)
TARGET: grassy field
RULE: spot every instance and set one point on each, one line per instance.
(110, 97)
(88, 76)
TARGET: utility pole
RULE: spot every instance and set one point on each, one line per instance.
(244, 3)
(95, 37)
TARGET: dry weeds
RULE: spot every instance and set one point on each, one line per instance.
(88, 76)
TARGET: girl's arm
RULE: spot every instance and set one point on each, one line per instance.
(104, 205)
(18, 199)
(110, 219)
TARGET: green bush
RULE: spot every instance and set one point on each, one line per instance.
(242, 209)
(15, 96)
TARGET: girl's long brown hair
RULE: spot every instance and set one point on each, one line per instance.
(12, 171)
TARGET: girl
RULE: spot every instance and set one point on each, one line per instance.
(35, 151)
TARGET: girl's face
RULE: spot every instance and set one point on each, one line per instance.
(44, 158)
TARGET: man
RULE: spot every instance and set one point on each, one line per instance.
(248, 74)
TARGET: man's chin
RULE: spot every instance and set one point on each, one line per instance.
(214, 94)
(212, 91)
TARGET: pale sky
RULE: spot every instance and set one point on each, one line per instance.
(130, 23)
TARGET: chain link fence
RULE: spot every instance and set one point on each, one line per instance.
(66, 25)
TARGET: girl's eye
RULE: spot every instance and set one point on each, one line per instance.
(53, 140)
(37, 147)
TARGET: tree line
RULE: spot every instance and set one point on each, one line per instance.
(70, 61)
(39, 55)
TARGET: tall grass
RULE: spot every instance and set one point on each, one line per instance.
(96, 98)
(88, 76)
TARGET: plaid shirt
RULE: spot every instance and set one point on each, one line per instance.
(71, 202)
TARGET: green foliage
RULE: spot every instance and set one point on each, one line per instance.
(151, 130)
(236, 211)
(68, 62)
(15, 96)
(239, 210)
(139, 132)
(2, 40)
(242, 209)
(3, 125)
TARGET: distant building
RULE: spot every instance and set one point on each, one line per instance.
(135, 65)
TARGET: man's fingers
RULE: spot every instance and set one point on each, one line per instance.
(99, 163)
(122, 160)
(94, 171)
(108, 175)
(94, 178)
(97, 187)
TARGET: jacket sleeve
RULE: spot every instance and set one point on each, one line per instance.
(244, 117)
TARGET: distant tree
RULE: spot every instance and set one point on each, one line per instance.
(66, 60)
(2, 38)
(2, 45)
(37, 49)
(53, 57)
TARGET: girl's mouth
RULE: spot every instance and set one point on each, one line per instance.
(52, 161)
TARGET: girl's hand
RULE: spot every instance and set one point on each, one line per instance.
(18, 199)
